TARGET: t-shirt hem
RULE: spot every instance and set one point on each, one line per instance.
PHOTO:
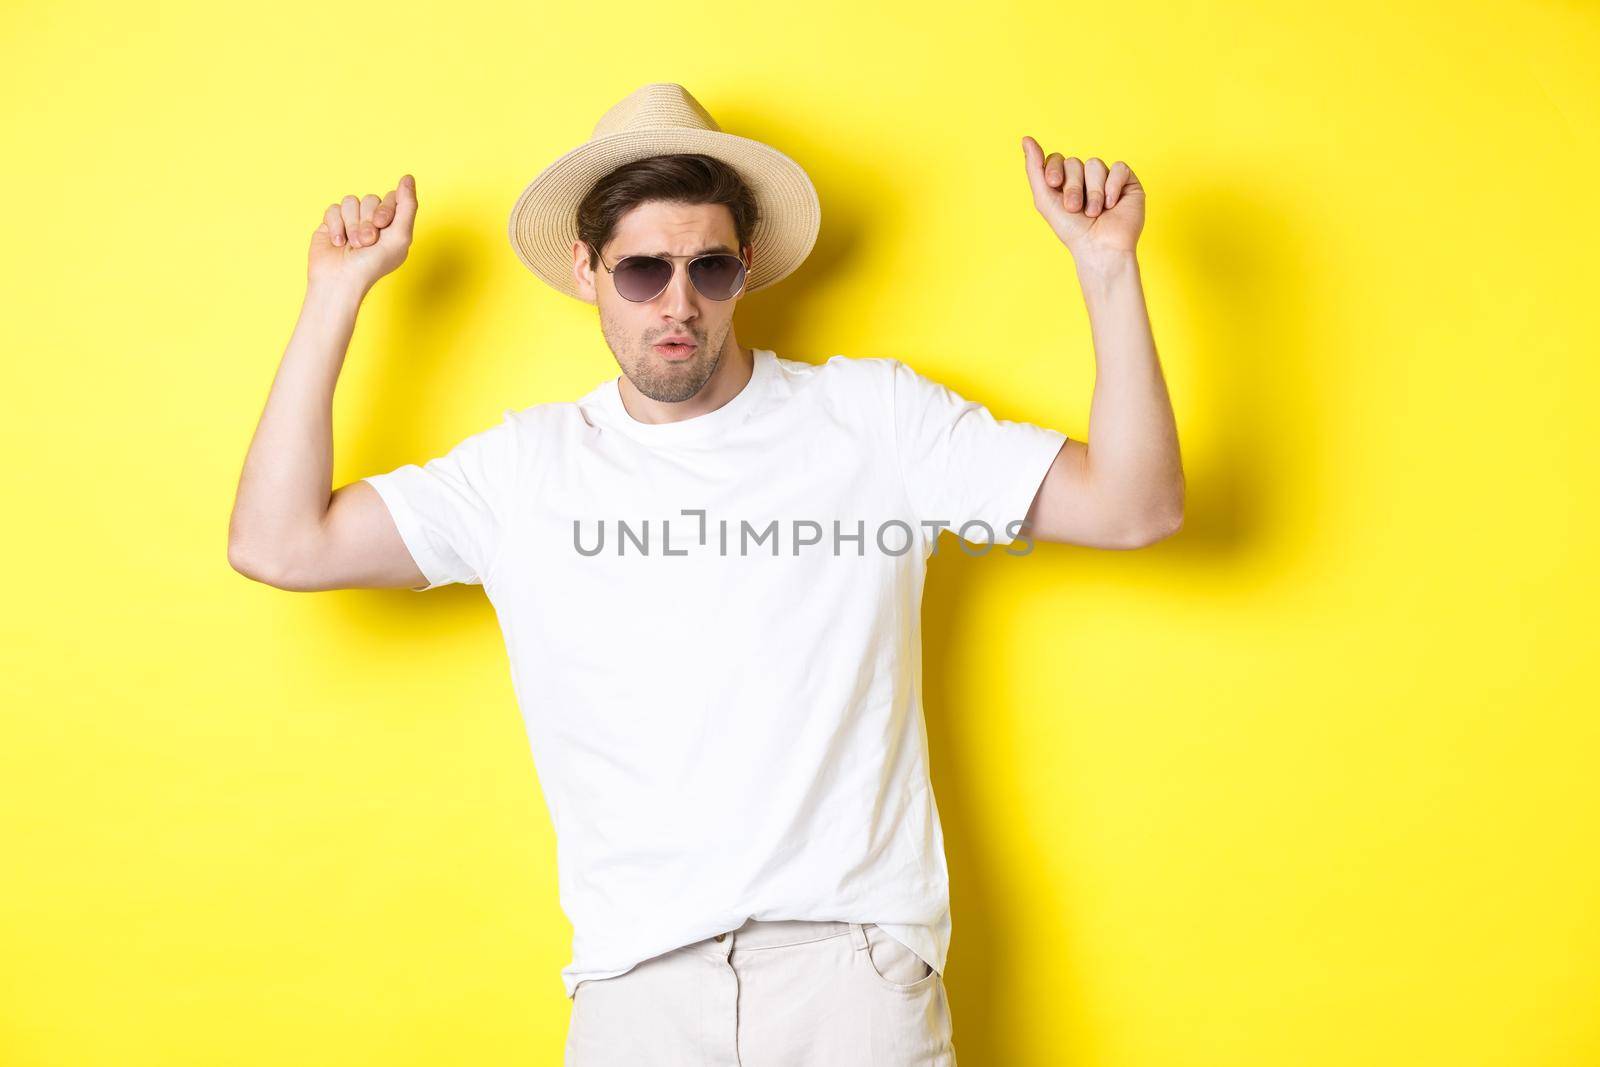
(928, 941)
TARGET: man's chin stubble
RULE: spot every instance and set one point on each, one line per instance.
(669, 383)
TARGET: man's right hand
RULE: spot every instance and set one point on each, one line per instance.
(360, 241)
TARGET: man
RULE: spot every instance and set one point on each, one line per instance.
(708, 572)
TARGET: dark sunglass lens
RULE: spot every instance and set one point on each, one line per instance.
(641, 277)
(717, 277)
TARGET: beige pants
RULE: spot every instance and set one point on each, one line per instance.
(789, 993)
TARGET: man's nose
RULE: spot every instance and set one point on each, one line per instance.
(678, 299)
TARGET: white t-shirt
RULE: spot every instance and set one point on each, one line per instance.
(723, 700)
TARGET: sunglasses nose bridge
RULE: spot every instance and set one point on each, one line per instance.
(679, 291)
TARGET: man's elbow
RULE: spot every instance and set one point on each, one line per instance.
(1164, 529)
(254, 565)
(1156, 526)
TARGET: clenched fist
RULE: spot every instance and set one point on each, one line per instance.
(1091, 208)
(360, 241)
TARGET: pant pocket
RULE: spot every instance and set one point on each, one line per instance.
(894, 964)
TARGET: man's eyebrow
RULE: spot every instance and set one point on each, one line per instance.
(702, 252)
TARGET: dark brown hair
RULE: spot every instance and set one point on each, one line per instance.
(684, 178)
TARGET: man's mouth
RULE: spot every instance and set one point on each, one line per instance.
(676, 350)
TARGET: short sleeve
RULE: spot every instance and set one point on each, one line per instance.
(962, 465)
(452, 511)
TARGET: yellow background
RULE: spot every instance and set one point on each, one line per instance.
(1311, 783)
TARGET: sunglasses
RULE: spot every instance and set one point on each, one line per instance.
(717, 275)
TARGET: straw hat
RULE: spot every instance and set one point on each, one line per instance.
(662, 118)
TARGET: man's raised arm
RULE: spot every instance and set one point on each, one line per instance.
(287, 529)
(1125, 487)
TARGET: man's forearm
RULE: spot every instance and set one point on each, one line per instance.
(1133, 437)
(287, 479)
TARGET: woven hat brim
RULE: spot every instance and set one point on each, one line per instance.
(544, 220)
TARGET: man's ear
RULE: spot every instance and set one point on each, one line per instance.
(582, 273)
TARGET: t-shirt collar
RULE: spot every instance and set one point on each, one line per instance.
(698, 427)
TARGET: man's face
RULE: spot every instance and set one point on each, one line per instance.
(632, 329)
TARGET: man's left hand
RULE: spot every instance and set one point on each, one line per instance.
(1094, 210)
